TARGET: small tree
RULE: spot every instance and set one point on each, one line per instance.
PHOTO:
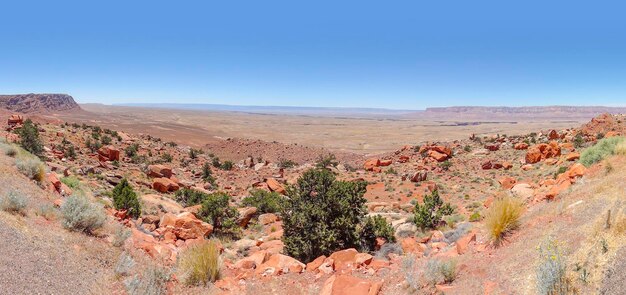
(321, 215)
(190, 197)
(326, 161)
(429, 214)
(29, 138)
(217, 211)
(125, 198)
(375, 227)
(264, 201)
(207, 174)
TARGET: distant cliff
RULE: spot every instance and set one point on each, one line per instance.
(528, 110)
(38, 103)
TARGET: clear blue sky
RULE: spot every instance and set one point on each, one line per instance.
(393, 54)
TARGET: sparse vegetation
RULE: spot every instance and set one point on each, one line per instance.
(551, 271)
(79, 214)
(153, 281)
(32, 167)
(439, 271)
(264, 201)
(120, 235)
(200, 263)
(503, 217)
(321, 215)
(430, 213)
(207, 174)
(29, 138)
(375, 227)
(14, 202)
(285, 163)
(326, 161)
(190, 197)
(600, 151)
(125, 198)
(71, 181)
(217, 211)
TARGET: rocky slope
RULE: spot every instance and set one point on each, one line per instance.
(38, 103)
(561, 198)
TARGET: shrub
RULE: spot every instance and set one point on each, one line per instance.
(227, 165)
(326, 161)
(217, 211)
(475, 216)
(200, 263)
(79, 214)
(124, 265)
(9, 150)
(46, 211)
(551, 270)
(193, 153)
(71, 181)
(503, 217)
(445, 165)
(125, 198)
(579, 141)
(106, 140)
(438, 271)
(620, 149)
(207, 174)
(216, 162)
(604, 148)
(321, 215)
(375, 227)
(411, 272)
(131, 150)
(190, 197)
(29, 138)
(264, 201)
(32, 167)
(388, 248)
(153, 281)
(285, 164)
(429, 214)
(13, 202)
(167, 158)
(120, 235)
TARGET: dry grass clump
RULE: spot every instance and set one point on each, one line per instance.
(620, 149)
(32, 167)
(14, 202)
(503, 217)
(601, 150)
(153, 281)
(200, 263)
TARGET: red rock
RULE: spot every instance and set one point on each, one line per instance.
(160, 171)
(521, 146)
(164, 185)
(553, 135)
(185, 225)
(349, 285)
(492, 147)
(253, 261)
(245, 214)
(611, 134)
(377, 264)
(109, 153)
(403, 159)
(385, 163)
(15, 120)
(543, 151)
(279, 264)
(315, 264)
(440, 157)
(572, 156)
(410, 245)
(463, 242)
(377, 170)
(419, 176)
(507, 165)
(275, 186)
(507, 182)
(344, 258)
(371, 163)
(487, 165)
(363, 259)
(442, 149)
(54, 180)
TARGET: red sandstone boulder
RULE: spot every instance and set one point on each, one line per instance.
(572, 156)
(164, 185)
(419, 176)
(440, 157)
(15, 120)
(507, 182)
(521, 146)
(370, 164)
(349, 285)
(275, 186)
(185, 226)
(108, 153)
(159, 171)
(279, 264)
(542, 151)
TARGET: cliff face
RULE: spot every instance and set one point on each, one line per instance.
(38, 103)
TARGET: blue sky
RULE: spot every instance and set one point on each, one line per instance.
(390, 54)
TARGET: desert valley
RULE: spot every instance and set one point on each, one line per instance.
(101, 199)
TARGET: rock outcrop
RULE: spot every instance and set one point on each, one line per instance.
(38, 103)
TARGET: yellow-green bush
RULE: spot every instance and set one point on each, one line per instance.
(601, 150)
(503, 217)
(200, 263)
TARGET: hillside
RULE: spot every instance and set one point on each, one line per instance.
(187, 196)
(38, 103)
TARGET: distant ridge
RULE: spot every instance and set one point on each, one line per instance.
(38, 103)
(273, 109)
(527, 110)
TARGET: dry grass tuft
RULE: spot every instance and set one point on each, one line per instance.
(200, 263)
(503, 217)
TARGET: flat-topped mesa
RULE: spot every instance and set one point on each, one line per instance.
(38, 103)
